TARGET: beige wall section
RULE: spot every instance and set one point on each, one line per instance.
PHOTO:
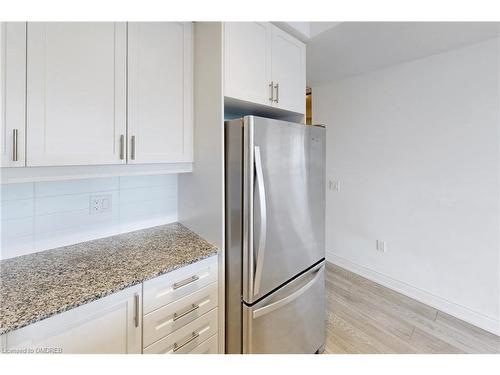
(201, 193)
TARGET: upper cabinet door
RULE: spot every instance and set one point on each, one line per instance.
(288, 71)
(247, 60)
(160, 81)
(76, 93)
(13, 93)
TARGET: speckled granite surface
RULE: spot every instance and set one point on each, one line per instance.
(36, 286)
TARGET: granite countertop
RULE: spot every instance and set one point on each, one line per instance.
(36, 286)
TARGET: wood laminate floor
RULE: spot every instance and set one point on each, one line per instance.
(365, 317)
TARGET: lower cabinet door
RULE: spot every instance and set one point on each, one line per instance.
(207, 347)
(109, 325)
(187, 338)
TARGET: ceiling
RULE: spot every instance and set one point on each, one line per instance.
(351, 48)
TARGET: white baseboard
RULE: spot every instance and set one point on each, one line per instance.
(461, 312)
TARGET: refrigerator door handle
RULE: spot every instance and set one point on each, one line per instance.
(282, 302)
(261, 250)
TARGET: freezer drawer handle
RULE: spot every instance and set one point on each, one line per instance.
(193, 307)
(193, 336)
(182, 283)
(282, 302)
(263, 221)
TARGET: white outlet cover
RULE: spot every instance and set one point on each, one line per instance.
(100, 203)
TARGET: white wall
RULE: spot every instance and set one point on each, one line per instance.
(201, 193)
(38, 216)
(416, 148)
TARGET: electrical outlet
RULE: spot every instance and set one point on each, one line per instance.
(334, 185)
(100, 203)
(381, 246)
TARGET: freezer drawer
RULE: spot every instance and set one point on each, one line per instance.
(291, 320)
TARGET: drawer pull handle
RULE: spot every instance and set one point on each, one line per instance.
(132, 147)
(14, 144)
(193, 307)
(182, 283)
(122, 147)
(136, 310)
(193, 336)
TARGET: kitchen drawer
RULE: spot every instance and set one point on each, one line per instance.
(186, 338)
(167, 319)
(162, 290)
(209, 346)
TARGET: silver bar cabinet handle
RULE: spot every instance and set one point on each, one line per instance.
(132, 147)
(136, 310)
(277, 87)
(14, 144)
(122, 147)
(193, 336)
(182, 283)
(193, 307)
(271, 91)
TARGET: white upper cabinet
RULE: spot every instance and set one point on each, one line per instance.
(264, 65)
(160, 94)
(160, 81)
(288, 71)
(247, 59)
(12, 93)
(76, 93)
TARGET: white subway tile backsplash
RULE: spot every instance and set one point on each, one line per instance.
(17, 227)
(16, 246)
(159, 193)
(43, 215)
(48, 188)
(17, 209)
(10, 192)
(70, 202)
(45, 241)
(147, 208)
(136, 223)
(129, 182)
(71, 219)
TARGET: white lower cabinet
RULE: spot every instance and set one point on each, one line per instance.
(173, 313)
(109, 325)
(168, 288)
(180, 310)
(188, 338)
(209, 346)
(167, 319)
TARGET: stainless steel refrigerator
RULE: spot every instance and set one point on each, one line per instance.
(275, 233)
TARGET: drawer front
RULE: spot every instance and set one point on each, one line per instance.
(167, 288)
(186, 338)
(167, 319)
(209, 346)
